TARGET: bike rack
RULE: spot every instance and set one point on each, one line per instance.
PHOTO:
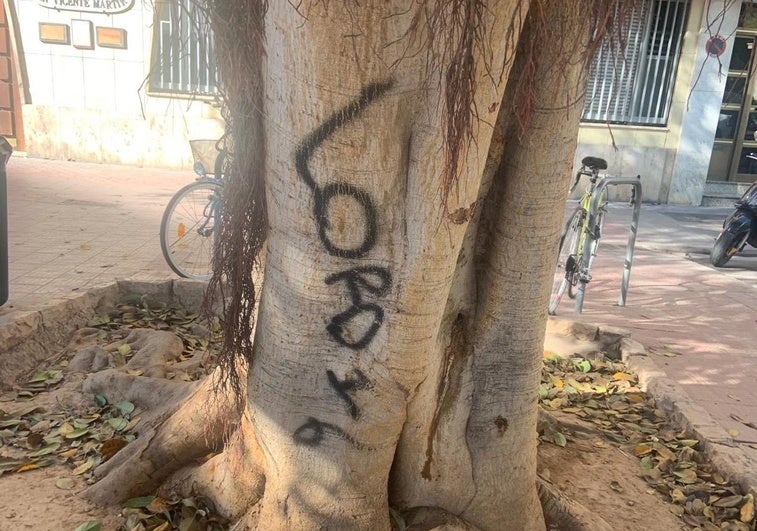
(632, 230)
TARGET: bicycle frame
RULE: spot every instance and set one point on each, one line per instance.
(589, 228)
(209, 212)
(584, 228)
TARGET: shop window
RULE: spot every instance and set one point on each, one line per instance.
(632, 77)
(182, 51)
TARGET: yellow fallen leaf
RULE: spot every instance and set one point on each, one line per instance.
(641, 449)
(747, 510)
(27, 466)
(623, 376)
(84, 467)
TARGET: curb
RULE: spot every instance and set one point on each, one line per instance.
(725, 454)
(29, 338)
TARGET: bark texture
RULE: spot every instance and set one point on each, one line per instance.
(396, 353)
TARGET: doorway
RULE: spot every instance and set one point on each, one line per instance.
(734, 152)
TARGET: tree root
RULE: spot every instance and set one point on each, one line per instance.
(233, 479)
(144, 392)
(197, 428)
(434, 519)
(565, 514)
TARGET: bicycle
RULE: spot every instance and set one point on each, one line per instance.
(580, 238)
(188, 228)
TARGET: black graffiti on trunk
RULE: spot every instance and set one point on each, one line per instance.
(323, 196)
(343, 387)
(358, 281)
(312, 432)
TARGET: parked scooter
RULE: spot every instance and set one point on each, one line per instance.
(739, 229)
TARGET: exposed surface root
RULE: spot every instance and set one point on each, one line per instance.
(233, 479)
(560, 512)
(197, 428)
(434, 519)
(153, 349)
(147, 393)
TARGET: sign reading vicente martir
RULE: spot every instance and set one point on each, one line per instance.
(90, 6)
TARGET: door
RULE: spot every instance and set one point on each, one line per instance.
(10, 103)
(734, 152)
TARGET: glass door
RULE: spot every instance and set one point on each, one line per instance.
(734, 152)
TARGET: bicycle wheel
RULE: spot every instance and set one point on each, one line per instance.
(187, 231)
(567, 259)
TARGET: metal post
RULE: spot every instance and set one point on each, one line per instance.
(598, 193)
(5, 153)
(632, 231)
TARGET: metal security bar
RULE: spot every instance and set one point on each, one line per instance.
(183, 57)
(632, 75)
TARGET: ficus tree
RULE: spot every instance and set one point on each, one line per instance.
(403, 166)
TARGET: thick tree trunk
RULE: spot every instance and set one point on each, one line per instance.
(399, 333)
(360, 260)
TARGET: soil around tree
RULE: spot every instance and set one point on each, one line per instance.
(603, 445)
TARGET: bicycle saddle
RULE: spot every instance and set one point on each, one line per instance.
(594, 163)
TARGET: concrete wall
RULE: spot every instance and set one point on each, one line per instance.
(91, 105)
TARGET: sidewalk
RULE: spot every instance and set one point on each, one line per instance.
(697, 322)
(74, 226)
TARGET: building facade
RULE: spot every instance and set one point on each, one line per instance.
(115, 81)
(128, 81)
(678, 106)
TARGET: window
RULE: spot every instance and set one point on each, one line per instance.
(182, 52)
(635, 85)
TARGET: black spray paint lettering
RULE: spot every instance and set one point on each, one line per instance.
(344, 387)
(372, 280)
(323, 196)
(312, 432)
(359, 281)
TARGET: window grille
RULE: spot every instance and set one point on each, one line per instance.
(632, 75)
(182, 54)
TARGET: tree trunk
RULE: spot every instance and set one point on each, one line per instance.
(352, 330)
(402, 315)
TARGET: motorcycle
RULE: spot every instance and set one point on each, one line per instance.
(739, 229)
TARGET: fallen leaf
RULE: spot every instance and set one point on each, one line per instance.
(118, 424)
(90, 525)
(65, 483)
(747, 510)
(139, 503)
(86, 466)
(31, 465)
(124, 349)
(46, 450)
(77, 433)
(124, 407)
(686, 476)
